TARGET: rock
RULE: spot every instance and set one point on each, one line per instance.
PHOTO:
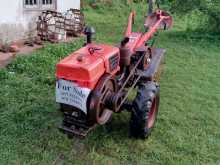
(5, 49)
(38, 41)
(13, 48)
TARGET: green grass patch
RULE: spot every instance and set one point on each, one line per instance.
(188, 128)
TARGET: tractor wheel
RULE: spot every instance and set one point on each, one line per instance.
(145, 110)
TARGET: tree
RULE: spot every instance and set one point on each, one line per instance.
(210, 8)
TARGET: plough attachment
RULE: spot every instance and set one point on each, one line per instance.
(164, 20)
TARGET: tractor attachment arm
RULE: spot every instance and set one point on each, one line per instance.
(157, 20)
(130, 23)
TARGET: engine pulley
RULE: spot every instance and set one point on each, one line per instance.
(99, 113)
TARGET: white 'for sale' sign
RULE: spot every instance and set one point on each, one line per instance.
(69, 93)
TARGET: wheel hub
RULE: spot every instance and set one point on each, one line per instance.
(99, 112)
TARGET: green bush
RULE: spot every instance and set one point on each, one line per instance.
(209, 8)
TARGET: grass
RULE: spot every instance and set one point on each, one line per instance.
(188, 128)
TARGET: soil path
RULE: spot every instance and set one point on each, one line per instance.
(6, 58)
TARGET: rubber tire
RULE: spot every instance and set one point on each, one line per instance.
(141, 107)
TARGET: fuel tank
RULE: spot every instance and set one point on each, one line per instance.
(85, 66)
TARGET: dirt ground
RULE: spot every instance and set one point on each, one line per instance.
(6, 58)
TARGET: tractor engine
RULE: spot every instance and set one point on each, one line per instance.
(85, 66)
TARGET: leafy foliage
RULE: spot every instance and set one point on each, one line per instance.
(209, 8)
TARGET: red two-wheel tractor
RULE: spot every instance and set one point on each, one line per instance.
(96, 80)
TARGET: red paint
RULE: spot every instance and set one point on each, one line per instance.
(88, 64)
(130, 22)
(158, 19)
(133, 40)
(84, 68)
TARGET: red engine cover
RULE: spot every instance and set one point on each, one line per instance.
(88, 64)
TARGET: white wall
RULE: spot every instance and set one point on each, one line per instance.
(16, 22)
(64, 5)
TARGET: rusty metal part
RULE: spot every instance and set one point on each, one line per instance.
(152, 19)
(116, 100)
(74, 131)
(155, 67)
(125, 56)
(74, 122)
(98, 112)
(146, 59)
(135, 69)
